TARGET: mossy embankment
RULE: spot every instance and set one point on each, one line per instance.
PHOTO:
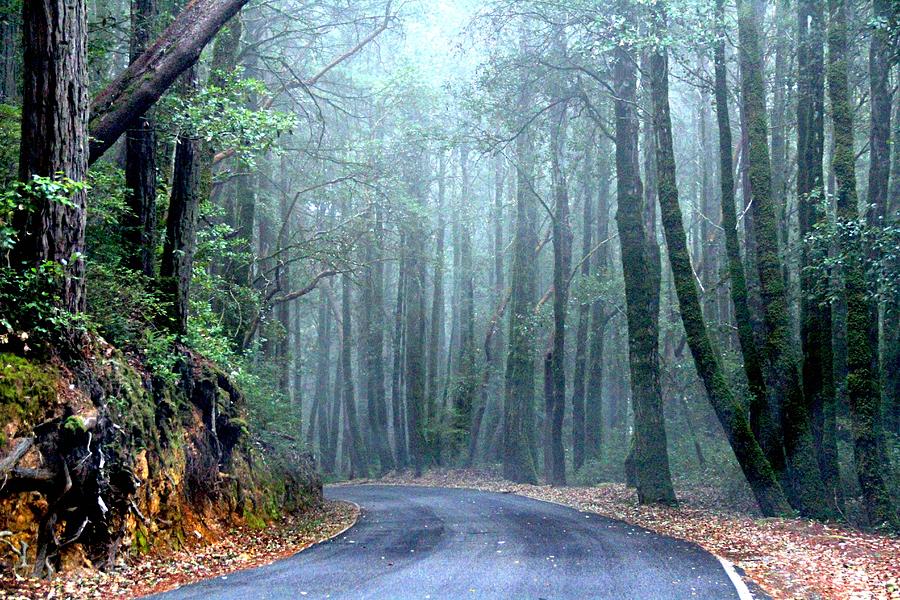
(100, 459)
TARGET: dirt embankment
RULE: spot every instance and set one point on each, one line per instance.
(100, 461)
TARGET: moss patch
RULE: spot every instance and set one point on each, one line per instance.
(25, 388)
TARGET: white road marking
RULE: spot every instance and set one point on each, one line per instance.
(739, 585)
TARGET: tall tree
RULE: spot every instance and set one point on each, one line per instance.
(729, 410)
(804, 484)
(555, 458)
(815, 315)
(54, 141)
(651, 462)
(518, 406)
(863, 392)
(180, 241)
(139, 226)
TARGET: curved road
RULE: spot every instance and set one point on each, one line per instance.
(418, 542)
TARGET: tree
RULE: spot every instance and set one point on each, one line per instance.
(804, 483)
(729, 410)
(54, 143)
(815, 315)
(518, 420)
(863, 392)
(651, 462)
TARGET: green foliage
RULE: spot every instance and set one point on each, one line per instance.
(103, 234)
(25, 388)
(836, 244)
(221, 114)
(10, 133)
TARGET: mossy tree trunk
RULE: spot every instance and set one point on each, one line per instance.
(437, 331)
(785, 392)
(815, 315)
(651, 462)
(761, 423)
(729, 409)
(863, 392)
(401, 453)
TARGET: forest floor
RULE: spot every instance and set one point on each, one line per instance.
(239, 548)
(788, 558)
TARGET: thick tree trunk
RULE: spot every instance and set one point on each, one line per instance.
(518, 407)
(890, 358)
(805, 488)
(54, 141)
(148, 77)
(815, 316)
(731, 413)
(654, 482)
(863, 393)
(181, 225)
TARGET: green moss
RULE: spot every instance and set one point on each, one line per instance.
(25, 388)
(74, 425)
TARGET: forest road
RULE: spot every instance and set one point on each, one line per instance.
(420, 542)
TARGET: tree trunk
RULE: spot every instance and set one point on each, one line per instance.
(654, 482)
(562, 264)
(805, 488)
(760, 417)
(54, 141)
(581, 333)
(400, 448)
(436, 324)
(594, 394)
(815, 315)
(358, 465)
(323, 364)
(375, 352)
(181, 225)
(863, 393)
(518, 407)
(731, 413)
(139, 222)
(415, 332)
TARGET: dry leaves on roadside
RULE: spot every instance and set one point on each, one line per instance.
(240, 548)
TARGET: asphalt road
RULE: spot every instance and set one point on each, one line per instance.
(417, 542)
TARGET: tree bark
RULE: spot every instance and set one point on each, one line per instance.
(139, 222)
(415, 331)
(731, 413)
(54, 141)
(358, 465)
(805, 488)
(181, 225)
(654, 482)
(584, 315)
(518, 406)
(863, 393)
(815, 315)
(599, 317)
